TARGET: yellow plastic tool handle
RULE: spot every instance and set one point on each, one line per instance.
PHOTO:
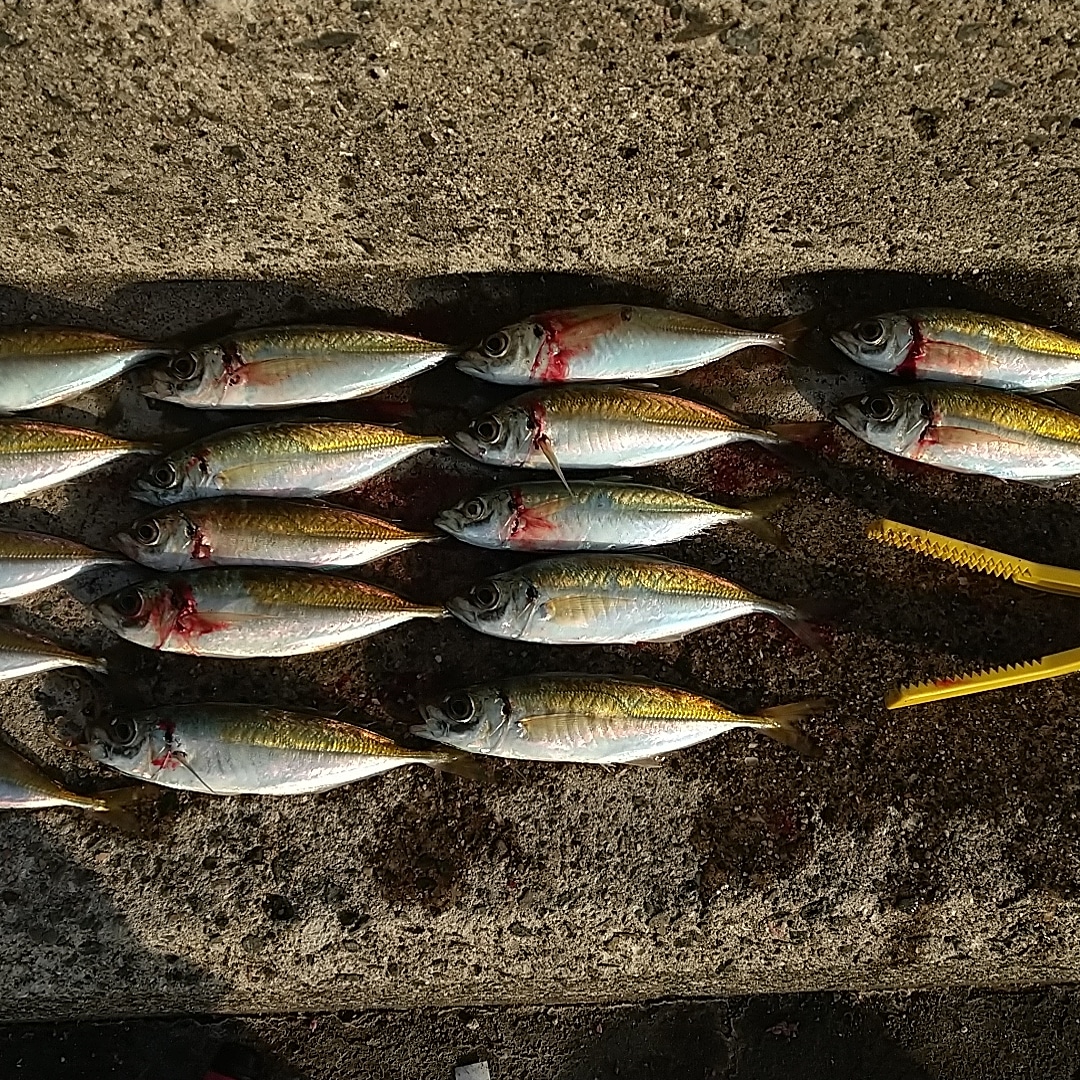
(1043, 576)
(976, 682)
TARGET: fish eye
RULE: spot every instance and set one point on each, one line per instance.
(485, 596)
(460, 708)
(871, 332)
(123, 732)
(487, 430)
(146, 532)
(184, 367)
(129, 603)
(880, 407)
(496, 345)
(474, 509)
(164, 475)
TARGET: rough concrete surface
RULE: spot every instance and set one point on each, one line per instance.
(446, 166)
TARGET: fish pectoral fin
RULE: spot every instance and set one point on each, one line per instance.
(544, 443)
(965, 438)
(651, 762)
(581, 609)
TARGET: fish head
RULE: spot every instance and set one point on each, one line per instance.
(171, 479)
(471, 719)
(503, 436)
(882, 343)
(892, 419)
(507, 356)
(167, 541)
(125, 743)
(188, 378)
(482, 520)
(501, 605)
(135, 612)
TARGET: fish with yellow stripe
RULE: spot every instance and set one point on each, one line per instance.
(595, 719)
(232, 749)
(251, 611)
(592, 599)
(950, 345)
(968, 429)
(288, 458)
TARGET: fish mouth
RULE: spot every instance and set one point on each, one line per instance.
(153, 384)
(458, 606)
(447, 522)
(849, 415)
(471, 364)
(145, 492)
(125, 543)
(463, 441)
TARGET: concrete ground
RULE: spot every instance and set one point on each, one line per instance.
(444, 167)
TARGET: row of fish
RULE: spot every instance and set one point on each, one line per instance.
(284, 366)
(573, 428)
(247, 611)
(232, 749)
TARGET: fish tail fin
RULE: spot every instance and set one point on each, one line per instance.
(461, 763)
(792, 331)
(802, 618)
(781, 723)
(791, 442)
(801, 432)
(759, 510)
(118, 807)
(801, 623)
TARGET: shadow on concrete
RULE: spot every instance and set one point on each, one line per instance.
(66, 944)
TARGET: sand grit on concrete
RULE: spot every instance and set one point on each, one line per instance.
(443, 167)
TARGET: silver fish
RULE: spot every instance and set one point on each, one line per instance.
(41, 365)
(226, 749)
(596, 515)
(595, 719)
(294, 458)
(262, 532)
(606, 342)
(253, 612)
(35, 455)
(969, 429)
(290, 365)
(22, 653)
(599, 427)
(31, 562)
(609, 599)
(26, 786)
(948, 345)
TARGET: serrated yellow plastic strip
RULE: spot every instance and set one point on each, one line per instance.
(976, 682)
(1043, 576)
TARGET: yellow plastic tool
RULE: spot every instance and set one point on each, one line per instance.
(1054, 579)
